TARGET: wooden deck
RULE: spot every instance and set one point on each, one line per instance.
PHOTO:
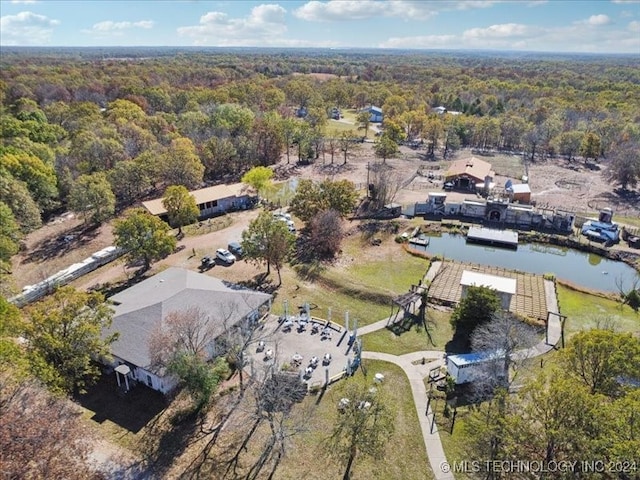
(529, 300)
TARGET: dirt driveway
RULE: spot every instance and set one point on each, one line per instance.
(201, 245)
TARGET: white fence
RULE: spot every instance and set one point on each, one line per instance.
(31, 293)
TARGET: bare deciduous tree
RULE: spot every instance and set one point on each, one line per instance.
(40, 436)
(510, 339)
(326, 233)
(386, 185)
(362, 427)
(331, 145)
(256, 427)
(185, 331)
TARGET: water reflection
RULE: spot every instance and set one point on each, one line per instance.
(582, 268)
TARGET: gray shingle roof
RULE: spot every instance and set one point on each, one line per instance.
(140, 309)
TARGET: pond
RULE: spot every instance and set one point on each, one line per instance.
(581, 268)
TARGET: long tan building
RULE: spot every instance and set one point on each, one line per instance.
(212, 201)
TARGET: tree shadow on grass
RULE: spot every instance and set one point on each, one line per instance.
(334, 168)
(169, 437)
(260, 283)
(309, 271)
(63, 243)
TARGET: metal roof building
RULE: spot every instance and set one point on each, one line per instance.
(140, 310)
(210, 200)
(504, 287)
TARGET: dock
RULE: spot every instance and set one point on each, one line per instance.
(420, 240)
(490, 236)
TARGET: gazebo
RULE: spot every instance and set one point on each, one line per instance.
(123, 370)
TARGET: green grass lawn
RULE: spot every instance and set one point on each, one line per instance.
(453, 443)
(585, 311)
(339, 127)
(280, 193)
(384, 277)
(405, 456)
(364, 289)
(349, 114)
(338, 298)
(413, 339)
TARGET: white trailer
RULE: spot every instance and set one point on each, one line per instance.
(467, 367)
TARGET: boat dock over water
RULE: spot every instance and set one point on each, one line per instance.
(420, 240)
(490, 236)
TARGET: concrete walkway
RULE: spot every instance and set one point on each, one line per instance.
(379, 325)
(418, 372)
(432, 442)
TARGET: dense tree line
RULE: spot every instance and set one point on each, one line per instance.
(180, 118)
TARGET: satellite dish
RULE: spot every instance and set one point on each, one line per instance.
(508, 184)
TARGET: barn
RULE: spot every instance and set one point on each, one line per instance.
(466, 173)
(376, 114)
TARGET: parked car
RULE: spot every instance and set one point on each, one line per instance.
(290, 225)
(207, 262)
(225, 256)
(281, 216)
(236, 249)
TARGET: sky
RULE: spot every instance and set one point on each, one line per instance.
(595, 26)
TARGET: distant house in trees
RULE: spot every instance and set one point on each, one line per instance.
(142, 308)
(442, 110)
(375, 114)
(211, 201)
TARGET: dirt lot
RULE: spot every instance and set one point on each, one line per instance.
(554, 183)
(61, 242)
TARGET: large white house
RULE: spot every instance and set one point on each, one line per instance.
(142, 308)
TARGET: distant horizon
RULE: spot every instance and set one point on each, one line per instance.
(602, 27)
(366, 50)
